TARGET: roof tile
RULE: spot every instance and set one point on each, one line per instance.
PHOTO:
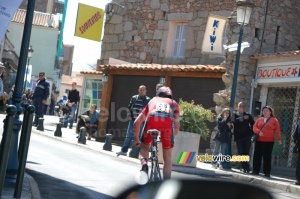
(280, 54)
(156, 67)
(91, 72)
(39, 18)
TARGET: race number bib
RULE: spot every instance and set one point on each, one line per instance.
(162, 107)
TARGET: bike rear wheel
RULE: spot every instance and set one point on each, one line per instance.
(155, 174)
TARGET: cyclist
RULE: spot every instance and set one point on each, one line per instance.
(161, 113)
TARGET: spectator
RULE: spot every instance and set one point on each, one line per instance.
(51, 106)
(136, 105)
(47, 105)
(223, 138)
(40, 97)
(265, 127)
(30, 95)
(62, 102)
(3, 95)
(11, 92)
(243, 124)
(88, 119)
(73, 100)
(159, 85)
(24, 101)
(296, 144)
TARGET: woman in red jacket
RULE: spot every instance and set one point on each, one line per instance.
(265, 127)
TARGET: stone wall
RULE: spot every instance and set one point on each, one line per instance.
(138, 32)
(281, 34)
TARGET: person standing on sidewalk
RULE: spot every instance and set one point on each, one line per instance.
(40, 96)
(73, 99)
(265, 127)
(243, 124)
(136, 105)
(296, 143)
(223, 138)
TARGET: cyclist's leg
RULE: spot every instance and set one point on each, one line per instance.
(144, 150)
(167, 140)
(167, 156)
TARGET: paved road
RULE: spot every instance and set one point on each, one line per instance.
(63, 170)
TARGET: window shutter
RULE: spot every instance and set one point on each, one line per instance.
(180, 40)
(183, 41)
(177, 40)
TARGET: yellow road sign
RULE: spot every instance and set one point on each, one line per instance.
(89, 22)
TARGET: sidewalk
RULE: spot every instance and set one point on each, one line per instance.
(29, 189)
(69, 135)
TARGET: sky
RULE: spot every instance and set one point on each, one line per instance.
(85, 51)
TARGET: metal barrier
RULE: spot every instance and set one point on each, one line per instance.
(23, 148)
(6, 142)
(286, 104)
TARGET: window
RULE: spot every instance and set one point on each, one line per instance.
(179, 41)
(93, 94)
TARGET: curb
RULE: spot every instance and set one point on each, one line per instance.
(259, 180)
(34, 189)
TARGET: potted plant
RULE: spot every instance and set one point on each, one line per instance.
(193, 125)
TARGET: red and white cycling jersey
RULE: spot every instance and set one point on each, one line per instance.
(160, 114)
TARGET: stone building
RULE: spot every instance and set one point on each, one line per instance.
(146, 31)
(143, 32)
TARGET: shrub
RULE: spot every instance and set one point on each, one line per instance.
(193, 118)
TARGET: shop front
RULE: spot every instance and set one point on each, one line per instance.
(188, 82)
(278, 80)
(92, 87)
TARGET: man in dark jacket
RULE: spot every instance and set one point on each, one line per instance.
(40, 95)
(296, 138)
(136, 105)
(243, 123)
(73, 99)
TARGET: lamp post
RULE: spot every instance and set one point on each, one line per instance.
(30, 51)
(13, 161)
(243, 13)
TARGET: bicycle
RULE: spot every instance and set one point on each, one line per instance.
(155, 174)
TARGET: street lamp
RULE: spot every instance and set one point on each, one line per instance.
(30, 51)
(243, 13)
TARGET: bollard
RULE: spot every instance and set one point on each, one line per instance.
(107, 145)
(135, 151)
(82, 138)
(23, 148)
(6, 143)
(58, 132)
(40, 126)
(61, 120)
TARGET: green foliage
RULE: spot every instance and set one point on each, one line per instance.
(193, 118)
